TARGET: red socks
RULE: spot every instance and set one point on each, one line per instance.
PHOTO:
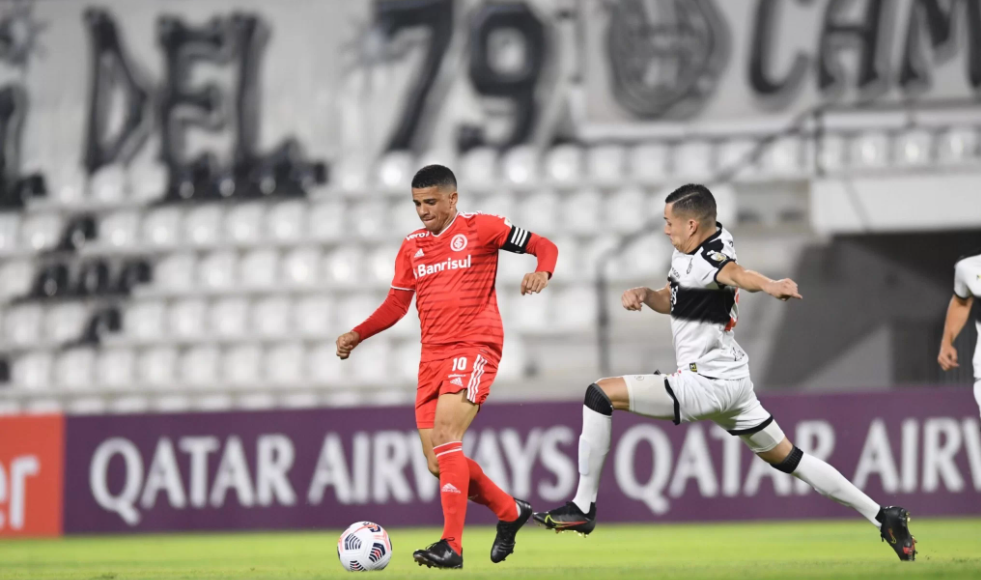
(484, 491)
(454, 483)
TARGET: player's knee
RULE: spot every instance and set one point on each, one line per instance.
(597, 400)
(615, 389)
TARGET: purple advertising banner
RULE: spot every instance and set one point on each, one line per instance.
(325, 468)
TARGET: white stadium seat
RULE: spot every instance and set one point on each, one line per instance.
(735, 158)
(301, 267)
(575, 308)
(242, 365)
(287, 221)
(958, 145)
(162, 227)
(243, 223)
(22, 324)
(199, 366)
(272, 317)
(41, 231)
(644, 258)
(156, 367)
(582, 212)
(568, 266)
(626, 211)
(187, 319)
(784, 156)
(145, 320)
(649, 163)
(353, 310)
(406, 362)
(68, 182)
(312, 316)
(286, 364)
(870, 150)
(370, 363)
(108, 185)
(479, 170)
(74, 368)
(148, 180)
(17, 276)
(328, 221)
(368, 221)
(595, 249)
(115, 367)
(218, 270)
(913, 148)
(532, 312)
(501, 204)
(120, 229)
(228, 317)
(9, 231)
(343, 266)
(65, 322)
(259, 269)
(202, 225)
(175, 272)
(607, 165)
(513, 360)
(403, 217)
(324, 368)
(394, 172)
(539, 212)
(520, 167)
(444, 157)
(693, 161)
(32, 371)
(352, 174)
(831, 152)
(381, 264)
(563, 165)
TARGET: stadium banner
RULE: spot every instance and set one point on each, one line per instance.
(31, 464)
(325, 468)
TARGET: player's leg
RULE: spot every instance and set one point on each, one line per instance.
(768, 441)
(647, 395)
(977, 392)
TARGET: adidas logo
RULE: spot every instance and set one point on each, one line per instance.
(457, 382)
(419, 254)
(449, 488)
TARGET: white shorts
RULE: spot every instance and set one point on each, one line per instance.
(730, 403)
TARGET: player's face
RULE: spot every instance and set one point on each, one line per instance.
(436, 208)
(678, 228)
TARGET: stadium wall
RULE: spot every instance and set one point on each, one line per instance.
(309, 469)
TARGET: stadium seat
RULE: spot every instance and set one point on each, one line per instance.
(312, 316)
(324, 368)
(9, 231)
(913, 148)
(175, 272)
(242, 365)
(513, 360)
(607, 165)
(156, 367)
(162, 227)
(42, 231)
(259, 269)
(499, 204)
(625, 211)
(115, 368)
(870, 150)
(575, 308)
(644, 258)
(243, 223)
(287, 221)
(93, 279)
(272, 317)
(17, 276)
(301, 267)
(406, 362)
(539, 212)
(352, 174)
(120, 229)
(285, 364)
(199, 366)
(444, 157)
(394, 172)
(145, 320)
(148, 180)
(595, 249)
(381, 264)
(218, 270)
(74, 368)
(65, 322)
(582, 212)
(229, 317)
(202, 225)
(957, 145)
(51, 282)
(831, 152)
(513, 267)
(344, 266)
(649, 163)
(693, 161)
(171, 404)
(367, 220)
(108, 185)
(403, 217)
(32, 371)
(532, 312)
(22, 324)
(130, 404)
(784, 156)
(354, 309)
(735, 158)
(370, 362)
(563, 166)
(68, 183)
(328, 221)
(519, 166)
(186, 318)
(479, 170)
(568, 266)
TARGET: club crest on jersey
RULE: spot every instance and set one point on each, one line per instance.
(718, 256)
(448, 264)
(458, 243)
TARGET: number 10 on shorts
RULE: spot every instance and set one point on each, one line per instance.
(460, 364)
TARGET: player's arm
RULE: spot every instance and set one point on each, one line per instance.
(957, 313)
(510, 238)
(732, 274)
(657, 300)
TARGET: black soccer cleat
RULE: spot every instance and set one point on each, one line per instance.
(895, 530)
(506, 531)
(438, 555)
(569, 517)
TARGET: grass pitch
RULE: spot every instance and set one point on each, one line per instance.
(949, 548)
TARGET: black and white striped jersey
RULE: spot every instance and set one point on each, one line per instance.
(967, 283)
(704, 312)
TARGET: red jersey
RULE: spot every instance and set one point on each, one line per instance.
(453, 274)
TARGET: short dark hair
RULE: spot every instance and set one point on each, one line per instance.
(434, 176)
(694, 200)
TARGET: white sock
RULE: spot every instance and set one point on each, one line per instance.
(832, 484)
(594, 444)
(977, 392)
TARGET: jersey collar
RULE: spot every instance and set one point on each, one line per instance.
(713, 237)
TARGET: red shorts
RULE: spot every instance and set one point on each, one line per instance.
(472, 371)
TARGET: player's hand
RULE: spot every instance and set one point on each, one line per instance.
(783, 289)
(346, 343)
(634, 298)
(534, 283)
(948, 357)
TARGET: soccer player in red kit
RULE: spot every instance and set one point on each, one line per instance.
(451, 265)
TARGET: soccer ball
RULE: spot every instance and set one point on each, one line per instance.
(364, 546)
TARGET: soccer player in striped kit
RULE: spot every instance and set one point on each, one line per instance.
(450, 265)
(967, 285)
